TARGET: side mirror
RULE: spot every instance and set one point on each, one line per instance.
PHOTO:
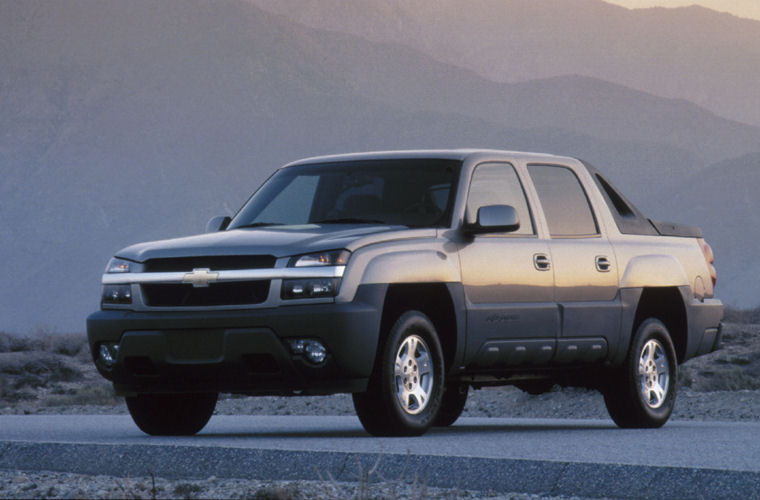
(494, 219)
(218, 223)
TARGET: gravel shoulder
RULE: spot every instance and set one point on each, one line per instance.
(16, 484)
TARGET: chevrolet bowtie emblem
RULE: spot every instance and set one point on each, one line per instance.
(200, 277)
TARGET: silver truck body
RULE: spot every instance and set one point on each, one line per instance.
(507, 306)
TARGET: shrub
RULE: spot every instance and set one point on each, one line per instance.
(69, 344)
(743, 316)
(39, 368)
(14, 343)
(96, 394)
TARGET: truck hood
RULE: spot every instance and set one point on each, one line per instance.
(279, 241)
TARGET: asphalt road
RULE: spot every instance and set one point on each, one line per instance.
(568, 457)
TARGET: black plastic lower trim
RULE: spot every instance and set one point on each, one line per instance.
(241, 351)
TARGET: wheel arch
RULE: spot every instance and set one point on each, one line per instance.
(665, 304)
(437, 302)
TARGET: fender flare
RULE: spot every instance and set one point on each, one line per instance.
(416, 266)
(648, 271)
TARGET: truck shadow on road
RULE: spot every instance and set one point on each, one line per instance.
(461, 429)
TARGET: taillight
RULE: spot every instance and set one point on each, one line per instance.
(709, 258)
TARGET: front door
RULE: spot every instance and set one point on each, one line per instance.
(508, 279)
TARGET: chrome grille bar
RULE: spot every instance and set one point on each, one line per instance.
(236, 275)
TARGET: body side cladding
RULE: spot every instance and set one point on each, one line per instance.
(629, 299)
(456, 291)
(701, 315)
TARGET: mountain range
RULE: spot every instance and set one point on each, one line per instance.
(693, 53)
(129, 121)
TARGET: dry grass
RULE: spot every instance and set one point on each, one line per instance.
(736, 366)
(46, 369)
(68, 344)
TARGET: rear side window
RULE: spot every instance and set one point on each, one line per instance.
(564, 201)
(627, 217)
(498, 184)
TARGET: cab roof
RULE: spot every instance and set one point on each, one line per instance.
(451, 154)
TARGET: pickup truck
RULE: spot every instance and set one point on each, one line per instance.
(407, 278)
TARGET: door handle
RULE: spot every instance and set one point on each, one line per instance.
(541, 262)
(603, 264)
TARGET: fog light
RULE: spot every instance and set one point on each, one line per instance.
(108, 353)
(315, 352)
(312, 349)
(117, 294)
(297, 346)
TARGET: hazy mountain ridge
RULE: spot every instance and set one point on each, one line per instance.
(710, 58)
(122, 123)
(723, 199)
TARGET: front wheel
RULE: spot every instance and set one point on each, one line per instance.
(643, 392)
(406, 386)
(452, 404)
(171, 414)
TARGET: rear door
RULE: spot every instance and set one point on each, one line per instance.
(585, 270)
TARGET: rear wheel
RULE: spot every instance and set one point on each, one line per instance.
(452, 404)
(643, 392)
(406, 386)
(171, 414)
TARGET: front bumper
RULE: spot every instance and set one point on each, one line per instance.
(241, 351)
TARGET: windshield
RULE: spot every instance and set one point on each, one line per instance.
(414, 193)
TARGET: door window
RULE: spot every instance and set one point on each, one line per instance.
(564, 201)
(498, 184)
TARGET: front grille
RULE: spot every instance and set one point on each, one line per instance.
(236, 293)
(215, 263)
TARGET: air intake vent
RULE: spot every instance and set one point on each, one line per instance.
(235, 293)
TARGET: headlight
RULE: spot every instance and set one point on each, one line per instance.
(117, 265)
(311, 288)
(331, 258)
(117, 294)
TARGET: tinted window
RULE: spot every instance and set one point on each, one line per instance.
(293, 206)
(615, 200)
(415, 193)
(498, 184)
(564, 201)
(627, 217)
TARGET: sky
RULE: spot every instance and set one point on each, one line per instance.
(742, 8)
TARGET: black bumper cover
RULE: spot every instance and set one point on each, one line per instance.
(241, 351)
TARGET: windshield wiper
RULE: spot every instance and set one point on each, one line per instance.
(350, 220)
(260, 224)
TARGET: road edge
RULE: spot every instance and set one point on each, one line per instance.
(480, 474)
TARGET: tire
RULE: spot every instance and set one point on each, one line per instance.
(642, 392)
(452, 404)
(405, 389)
(171, 414)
